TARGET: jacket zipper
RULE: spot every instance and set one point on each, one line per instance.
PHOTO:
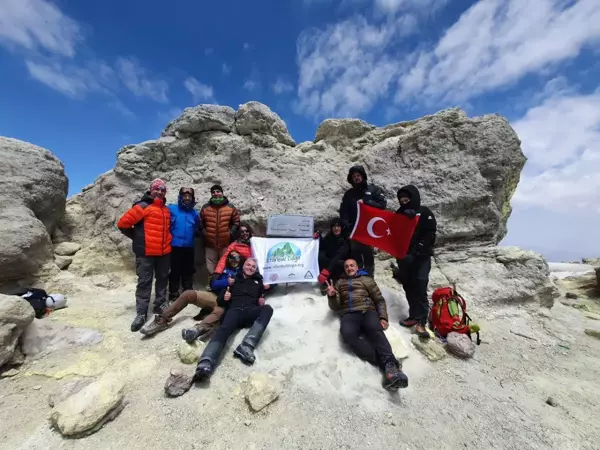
(218, 231)
(162, 249)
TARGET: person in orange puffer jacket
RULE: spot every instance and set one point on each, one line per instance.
(148, 224)
(241, 245)
(220, 222)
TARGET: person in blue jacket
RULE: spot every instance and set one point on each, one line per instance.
(185, 225)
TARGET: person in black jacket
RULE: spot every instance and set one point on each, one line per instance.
(334, 249)
(245, 307)
(360, 192)
(413, 270)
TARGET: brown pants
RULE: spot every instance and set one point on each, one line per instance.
(213, 255)
(205, 300)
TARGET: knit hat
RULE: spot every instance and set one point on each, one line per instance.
(216, 187)
(158, 184)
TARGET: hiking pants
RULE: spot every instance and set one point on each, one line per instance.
(213, 255)
(373, 346)
(182, 270)
(364, 256)
(415, 281)
(205, 300)
(236, 318)
(147, 268)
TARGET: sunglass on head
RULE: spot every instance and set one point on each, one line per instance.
(236, 257)
(160, 188)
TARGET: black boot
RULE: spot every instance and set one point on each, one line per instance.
(394, 378)
(208, 361)
(245, 351)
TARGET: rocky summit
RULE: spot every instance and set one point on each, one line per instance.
(109, 387)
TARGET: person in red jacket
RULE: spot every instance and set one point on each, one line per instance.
(241, 245)
(147, 223)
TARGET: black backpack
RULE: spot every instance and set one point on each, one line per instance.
(36, 298)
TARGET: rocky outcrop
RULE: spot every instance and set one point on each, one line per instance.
(15, 316)
(42, 337)
(466, 168)
(33, 192)
(261, 390)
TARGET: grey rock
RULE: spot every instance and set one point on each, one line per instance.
(201, 118)
(460, 345)
(15, 316)
(190, 353)
(85, 412)
(571, 295)
(254, 117)
(592, 333)
(9, 373)
(42, 337)
(178, 383)
(63, 262)
(550, 401)
(33, 192)
(333, 129)
(67, 248)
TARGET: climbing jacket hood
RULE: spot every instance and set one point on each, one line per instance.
(357, 169)
(413, 194)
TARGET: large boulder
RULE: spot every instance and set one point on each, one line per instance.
(201, 118)
(33, 192)
(466, 168)
(15, 316)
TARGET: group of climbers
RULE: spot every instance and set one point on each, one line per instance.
(163, 242)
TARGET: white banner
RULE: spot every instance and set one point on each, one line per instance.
(282, 260)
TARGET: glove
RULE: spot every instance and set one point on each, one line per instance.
(316, 235)
(323, 276)
(409, 213)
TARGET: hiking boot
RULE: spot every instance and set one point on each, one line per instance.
(189, 335)
(422, 331)
(204, 370)
(394, 378)
(409, 322)
(159, 309)
(245, 353)
(159, 323)
(138, 322)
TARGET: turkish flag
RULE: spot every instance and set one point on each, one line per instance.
(386, 230)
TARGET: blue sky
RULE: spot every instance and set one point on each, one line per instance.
(84, 78)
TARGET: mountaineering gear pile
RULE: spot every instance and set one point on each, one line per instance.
(359, 293)
(449, 314)
(148, 224)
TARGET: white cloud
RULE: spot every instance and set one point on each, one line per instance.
(250, 85)
(199, 91)
(226, 69)
(72, 80)
(36, 25)
(136, 79)
(497, 42)
(282, 86)
(561, 138)
(346, 68)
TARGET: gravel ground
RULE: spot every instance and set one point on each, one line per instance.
(329, 399)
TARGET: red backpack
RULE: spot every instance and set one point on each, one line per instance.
(449, 313)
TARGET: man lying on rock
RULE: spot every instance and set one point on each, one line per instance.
(245, 308)
(413, 270)
(148, 224)
(358, 300)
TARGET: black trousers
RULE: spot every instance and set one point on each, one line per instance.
(364, 256)
(236, 318)
(415, 279)
(362, 331)
(147, 268)
(182, 270)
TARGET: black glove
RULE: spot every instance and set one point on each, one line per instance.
(406, 262)
(409, 213)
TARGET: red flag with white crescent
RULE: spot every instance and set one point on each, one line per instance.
(385, 230)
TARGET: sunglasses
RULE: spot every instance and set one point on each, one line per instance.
(244, 231)
(234, 257)
(160, 188)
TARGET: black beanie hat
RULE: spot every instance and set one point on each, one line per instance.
(216, 187)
